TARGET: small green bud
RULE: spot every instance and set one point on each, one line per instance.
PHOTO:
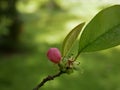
(69, 71)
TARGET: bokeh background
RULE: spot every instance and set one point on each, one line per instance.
(28, 28)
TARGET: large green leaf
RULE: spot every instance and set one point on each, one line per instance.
(102, 32)
(70, 39)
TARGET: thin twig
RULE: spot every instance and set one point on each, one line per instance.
(48, 78)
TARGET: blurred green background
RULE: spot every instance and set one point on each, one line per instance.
(28, 28)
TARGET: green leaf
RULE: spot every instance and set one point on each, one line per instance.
(70, 39)
(102, 32)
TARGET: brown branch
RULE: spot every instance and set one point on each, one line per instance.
(48, 78)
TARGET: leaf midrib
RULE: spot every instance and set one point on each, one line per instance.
(98, 38)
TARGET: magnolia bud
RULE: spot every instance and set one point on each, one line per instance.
(54, 55)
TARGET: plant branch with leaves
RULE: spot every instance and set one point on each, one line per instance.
(102, 32)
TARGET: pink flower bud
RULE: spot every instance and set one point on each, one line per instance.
(54, 55)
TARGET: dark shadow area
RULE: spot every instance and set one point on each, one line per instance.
(12, 27)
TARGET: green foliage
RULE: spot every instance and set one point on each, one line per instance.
(70, 39)
(101, 69)
(102, 32)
